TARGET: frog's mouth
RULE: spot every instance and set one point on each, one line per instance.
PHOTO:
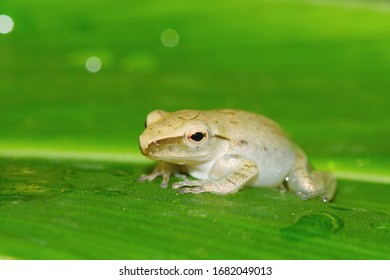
(158, 148)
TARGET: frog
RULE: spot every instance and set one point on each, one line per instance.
(225, 150)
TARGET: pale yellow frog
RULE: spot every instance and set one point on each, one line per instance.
(227, 150)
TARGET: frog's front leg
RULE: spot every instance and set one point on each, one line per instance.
(228, 175)
(308, 183)
(163, 169)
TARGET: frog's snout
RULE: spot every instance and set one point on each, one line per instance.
(143, 150)
(143, 145)
(146, 147)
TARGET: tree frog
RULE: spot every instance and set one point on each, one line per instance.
(226, 150)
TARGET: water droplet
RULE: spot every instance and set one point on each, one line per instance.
(315, 224)
(93, 64)
(6, 24)
(170, 38)
(362, 162)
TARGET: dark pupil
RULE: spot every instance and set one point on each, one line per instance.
(198, 136)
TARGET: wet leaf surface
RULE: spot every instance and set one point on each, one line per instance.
(84, 210)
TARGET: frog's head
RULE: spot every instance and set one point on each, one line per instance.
(182, 137)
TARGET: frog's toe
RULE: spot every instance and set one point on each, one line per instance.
(190, 190)
(144, 178)
(187, 183)
(141, 179)
(182, 177)
(196, 186)
(149, 177)
(178, 185)
(307, 195)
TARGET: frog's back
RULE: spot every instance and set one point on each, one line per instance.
(239, 123)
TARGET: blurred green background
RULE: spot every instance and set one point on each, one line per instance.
(68, 135)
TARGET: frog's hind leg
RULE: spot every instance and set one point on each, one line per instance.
(228, 175)
(307, 183)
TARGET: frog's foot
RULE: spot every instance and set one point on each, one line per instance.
(306, 195)
(165, 175)
(150, 177)
(322, 184)
(163, 170)
(308, 183)
(198, 186)
(329, 185)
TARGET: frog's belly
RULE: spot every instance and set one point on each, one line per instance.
(201, 171)
(273, 171)
(269, 178)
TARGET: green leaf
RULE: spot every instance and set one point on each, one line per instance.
(97, 210)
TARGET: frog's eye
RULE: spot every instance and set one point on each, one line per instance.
(196, 138)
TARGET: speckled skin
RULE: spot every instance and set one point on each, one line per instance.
(226, 150)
